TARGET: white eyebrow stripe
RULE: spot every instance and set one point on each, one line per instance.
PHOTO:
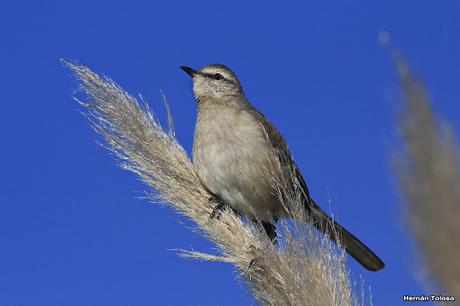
(211, 71)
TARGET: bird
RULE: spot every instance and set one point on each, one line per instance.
(233, 142)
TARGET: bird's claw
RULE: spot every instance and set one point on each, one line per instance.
(218, 209)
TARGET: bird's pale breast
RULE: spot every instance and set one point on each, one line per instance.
(230, 154)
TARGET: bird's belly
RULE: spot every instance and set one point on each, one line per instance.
(236, 169)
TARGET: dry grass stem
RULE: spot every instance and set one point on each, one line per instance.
(306, 269)
(428, 169)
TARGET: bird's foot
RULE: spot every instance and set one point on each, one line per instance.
(270, 229)
(219, 208)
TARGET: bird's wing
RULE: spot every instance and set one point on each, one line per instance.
(320, 219)
(281, 149)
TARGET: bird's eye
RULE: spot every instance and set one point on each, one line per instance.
(218, 76)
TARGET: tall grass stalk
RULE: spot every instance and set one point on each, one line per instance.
(304, 269)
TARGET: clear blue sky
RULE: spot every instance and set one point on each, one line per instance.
(71, 229)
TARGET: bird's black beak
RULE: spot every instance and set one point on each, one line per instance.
(190, 71)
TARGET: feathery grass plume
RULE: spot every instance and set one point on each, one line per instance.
(307, 269)
(428, 172)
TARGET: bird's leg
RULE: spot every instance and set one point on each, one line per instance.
(270, 229)
(219, 208)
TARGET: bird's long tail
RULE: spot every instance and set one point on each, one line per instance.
(337, 233)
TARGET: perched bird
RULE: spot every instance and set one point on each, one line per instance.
(233, 143)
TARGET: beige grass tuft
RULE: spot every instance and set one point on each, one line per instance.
(428, 170)
(307, 269)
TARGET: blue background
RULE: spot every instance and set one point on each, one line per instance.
(71, 229)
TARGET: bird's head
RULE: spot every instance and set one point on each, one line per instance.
(213, 81)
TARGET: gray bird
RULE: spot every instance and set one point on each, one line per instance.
(233, 143)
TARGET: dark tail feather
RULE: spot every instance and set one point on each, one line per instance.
(353, 245)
